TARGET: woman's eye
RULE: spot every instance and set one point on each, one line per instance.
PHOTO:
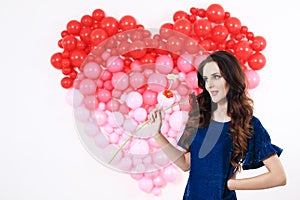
(217, 77)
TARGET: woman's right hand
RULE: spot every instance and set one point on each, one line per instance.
(155, 120)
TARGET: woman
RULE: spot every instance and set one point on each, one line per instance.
(222, 136)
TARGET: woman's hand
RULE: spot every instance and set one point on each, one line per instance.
(155, 119)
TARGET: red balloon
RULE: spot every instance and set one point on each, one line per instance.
(137, 49)
(180, 15)
(257, 61)
(219, 33)
(259, 43)
(233, 25)
(127, 23)
(86, 20)
(77, 57)
(215, 13)
(66, 82)
(98, 36)
(56, 60)
(202, 27)
(110, 25)
(85, 34)
(243, 50)
(166, 30)
(174, 44)
(183, 26)
(98, 14)
(69, 42)
(73, 27)
(191, 44)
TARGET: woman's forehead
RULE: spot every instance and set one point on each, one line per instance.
(210, 68)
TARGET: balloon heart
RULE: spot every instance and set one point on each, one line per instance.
(117, 71)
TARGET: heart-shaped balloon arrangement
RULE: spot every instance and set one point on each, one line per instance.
(116, 71)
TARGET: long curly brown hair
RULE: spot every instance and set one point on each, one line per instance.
(240, 106)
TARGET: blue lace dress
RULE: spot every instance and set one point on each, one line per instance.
(211, 149)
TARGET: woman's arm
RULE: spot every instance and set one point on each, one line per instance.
(273, 178)
(180, 158)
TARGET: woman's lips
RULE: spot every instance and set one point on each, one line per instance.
(213, 93)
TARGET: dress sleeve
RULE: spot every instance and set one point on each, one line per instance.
(259, 147)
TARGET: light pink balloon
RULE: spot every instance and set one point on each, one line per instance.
(157, 82)
(198, 60)
(253, 78)
(137, 176)
(164, 101)
(185, 63)
(130, 125)
(108, 152)
(139, 147)
(101, 141)
(156, 191)
(101, 118)
(150, 97)
(81, 114)
(145, 184)
(170, 173)
(137, 80)
(115, 64)
(176, 120)
(134, 100)
(91, 129)
(114, 138)
(92, 70)
(159, 158)
(125, 164)
(164, 64)
(87, 87)
(140, 114)
(159, 182)
(112, 105)
(116, 119)
(120, 81)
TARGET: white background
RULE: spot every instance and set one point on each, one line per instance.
(41, 156)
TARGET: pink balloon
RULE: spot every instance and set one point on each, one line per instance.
(183, 90)
(137, 176)
(192, 79)
(156, 191)
(115, 64)
(114, 138)
(112, 105)
(136, 66)
(120, 81)
(137, 80)
(185, 63)
(87, 87)
(253, 78)
(90, 102)
(157, 82)
(164, 64)
(103, 95)
(116, 119)
(145, 184)
(92, 70)
(150, 97)
(130, 125)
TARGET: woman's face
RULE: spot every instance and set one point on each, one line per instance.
(215, 84)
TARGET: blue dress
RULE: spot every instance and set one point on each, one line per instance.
(211, 149)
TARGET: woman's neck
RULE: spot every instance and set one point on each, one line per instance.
(220, 114)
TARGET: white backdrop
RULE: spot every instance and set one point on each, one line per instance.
(41, 156)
